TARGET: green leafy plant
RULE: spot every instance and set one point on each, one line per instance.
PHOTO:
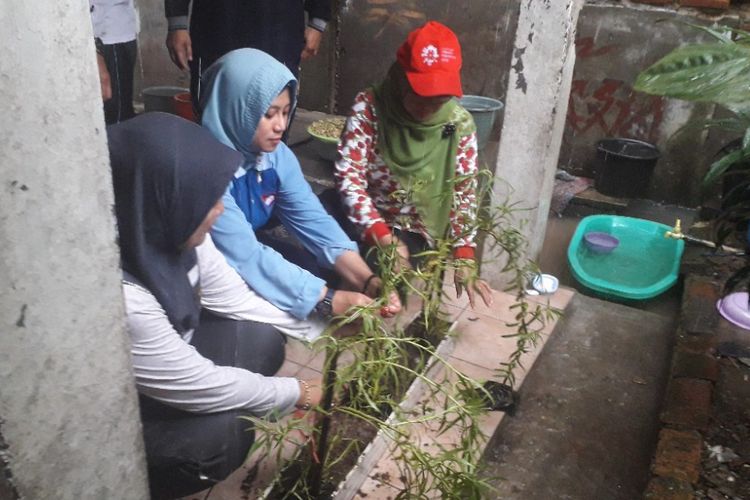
(717, 73)
(367, 375)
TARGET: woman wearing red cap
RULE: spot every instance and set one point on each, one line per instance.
(409, 135)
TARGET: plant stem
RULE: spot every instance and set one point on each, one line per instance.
(315, 474)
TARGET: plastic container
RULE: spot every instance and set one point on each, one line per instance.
(600, 242)
(624, 167)
(734, 308)
(325, 147)
(644, 264)
(545, 284)
(484, 111)
(183, 106)
(161, 98)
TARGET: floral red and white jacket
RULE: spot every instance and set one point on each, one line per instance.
(371, 193)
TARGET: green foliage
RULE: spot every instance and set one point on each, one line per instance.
(370, 392)
(716, 73)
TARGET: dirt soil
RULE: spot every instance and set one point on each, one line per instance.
(351, 433)
(725, 465)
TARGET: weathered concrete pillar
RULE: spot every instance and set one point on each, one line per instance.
(69, 425)
(535, 107)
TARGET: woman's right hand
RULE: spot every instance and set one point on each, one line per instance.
(343, 300)
(310, 393)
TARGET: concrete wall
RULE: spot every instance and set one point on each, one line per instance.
(69, 424)
(615, 42)
(364, 35)
(536, 105)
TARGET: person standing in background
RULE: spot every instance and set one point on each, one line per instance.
(219, 26)
(115, 29)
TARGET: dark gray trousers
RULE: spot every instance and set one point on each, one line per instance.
(188, 452)
(120, 59)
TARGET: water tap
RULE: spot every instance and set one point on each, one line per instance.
(676, 231)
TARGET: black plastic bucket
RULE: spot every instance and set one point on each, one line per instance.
(624, 167)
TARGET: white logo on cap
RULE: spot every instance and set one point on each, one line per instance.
(429, 55)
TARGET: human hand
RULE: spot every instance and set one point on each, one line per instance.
(374, 288)
(310, 393)
(312, 43)
(343, 300)
(104, 81)
(466, 278)
(402, 251)
(394, 306)
(180, 48)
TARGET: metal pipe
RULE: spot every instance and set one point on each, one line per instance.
(677, 234)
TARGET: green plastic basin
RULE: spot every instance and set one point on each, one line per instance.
(643, 265)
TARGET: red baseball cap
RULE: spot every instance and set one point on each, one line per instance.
(431, 59)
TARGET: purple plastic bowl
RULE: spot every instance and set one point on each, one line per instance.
(600, 242)
(734, 309)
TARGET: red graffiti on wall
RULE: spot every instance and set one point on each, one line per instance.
(586, 47)
(614, 109)
(611, 107)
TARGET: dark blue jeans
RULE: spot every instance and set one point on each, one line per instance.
(189, 452)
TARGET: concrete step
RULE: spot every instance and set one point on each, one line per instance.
(587, 422)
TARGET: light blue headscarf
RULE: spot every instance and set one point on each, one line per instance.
(237, 91)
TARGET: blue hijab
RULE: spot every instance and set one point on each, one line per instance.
(238, 89)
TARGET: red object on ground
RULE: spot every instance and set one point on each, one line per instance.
(183, 106)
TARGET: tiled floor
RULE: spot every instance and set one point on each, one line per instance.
(479, 348)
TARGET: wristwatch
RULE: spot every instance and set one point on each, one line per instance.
(324, 308)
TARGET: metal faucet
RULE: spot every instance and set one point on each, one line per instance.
(677, 234)
(676, 231)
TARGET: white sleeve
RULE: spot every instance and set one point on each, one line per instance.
(224, 292)
(170, 370)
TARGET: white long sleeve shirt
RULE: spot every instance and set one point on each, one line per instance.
(169, 369)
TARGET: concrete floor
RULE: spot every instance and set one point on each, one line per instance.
(587, 423)
(588, 417)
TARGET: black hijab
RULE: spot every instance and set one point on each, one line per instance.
(167, 174)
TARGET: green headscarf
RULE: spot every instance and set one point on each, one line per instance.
(422, 155)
